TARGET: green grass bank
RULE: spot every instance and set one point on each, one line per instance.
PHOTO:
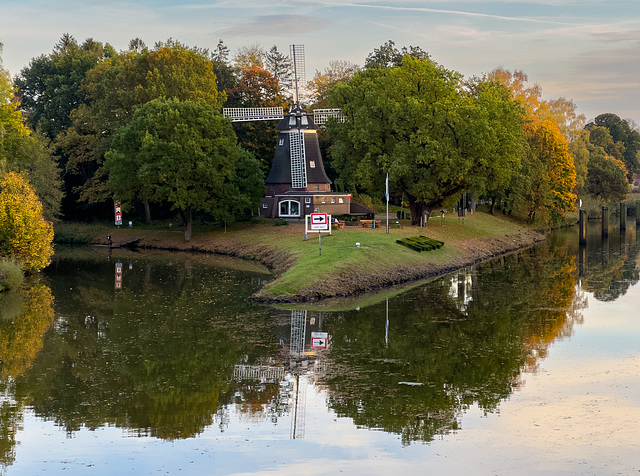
(302, 273)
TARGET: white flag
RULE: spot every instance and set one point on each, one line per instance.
(386, 184)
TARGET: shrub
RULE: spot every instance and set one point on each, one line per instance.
(11, 275)
(420, 243)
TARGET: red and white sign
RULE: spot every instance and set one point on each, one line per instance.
(319, 340)
(319, 221)
(118, 283)
(118, 213)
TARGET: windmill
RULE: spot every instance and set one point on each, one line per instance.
(297, 184)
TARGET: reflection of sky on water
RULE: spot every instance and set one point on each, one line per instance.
(578, 414)
(331, 445)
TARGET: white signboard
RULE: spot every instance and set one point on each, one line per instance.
(319, 221)
(319, 340)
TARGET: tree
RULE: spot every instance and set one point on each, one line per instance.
(621, 131)
(225, 78)
(563, 112)
(257, 87)
(551, 172)
(279, 66)
(21, 151)
(12, 127)
(579, 150)
(114, 89)
(250, 56)
(606, 178)
(543, 188)
(36, 159)
(49, 88)
(416, 122)
(388, 56)
(184, 153)
(338, 71)
(24, 233)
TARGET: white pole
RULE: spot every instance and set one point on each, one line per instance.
(387, 195)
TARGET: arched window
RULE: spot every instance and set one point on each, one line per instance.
(289, 208)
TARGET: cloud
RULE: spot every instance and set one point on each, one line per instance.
(445, 11)
(278, 25)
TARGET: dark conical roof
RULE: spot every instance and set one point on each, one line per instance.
(296, 119)
(281, 167)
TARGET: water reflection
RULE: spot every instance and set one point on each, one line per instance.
(168, 345)
(609, 264)
(25, 316)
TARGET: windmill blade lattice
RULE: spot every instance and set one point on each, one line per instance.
(298, 159)
(299, 71)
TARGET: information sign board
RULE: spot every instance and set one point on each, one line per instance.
(319, 340)
(118, 213)
(319, 221)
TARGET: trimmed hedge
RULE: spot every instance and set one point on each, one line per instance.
(420, 243)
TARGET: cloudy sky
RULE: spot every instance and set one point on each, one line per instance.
(585, 50)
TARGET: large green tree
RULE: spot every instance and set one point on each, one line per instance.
(113, 90)
(49, 87)
(184, 153)
(606, 178)
(434, 137)
(625, 135)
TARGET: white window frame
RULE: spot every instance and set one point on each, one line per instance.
(288, 213)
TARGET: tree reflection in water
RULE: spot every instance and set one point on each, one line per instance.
(25, 316)
(449, 347)
(180, 348)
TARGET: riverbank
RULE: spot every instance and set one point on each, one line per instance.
(310, 271)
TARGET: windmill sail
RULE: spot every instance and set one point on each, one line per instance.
(245, 114)
(320, 116)
(298, 161)
(299, 71)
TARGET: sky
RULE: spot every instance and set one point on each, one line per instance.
(583, 50)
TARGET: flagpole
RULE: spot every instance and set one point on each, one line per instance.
(387, 196)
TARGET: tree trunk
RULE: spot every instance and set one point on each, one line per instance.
(147, 212)
(419, 212)
(187, 233)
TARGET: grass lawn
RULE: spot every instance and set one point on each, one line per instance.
(299, 267)
(378, 251)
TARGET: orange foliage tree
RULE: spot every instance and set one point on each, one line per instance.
(544, 188)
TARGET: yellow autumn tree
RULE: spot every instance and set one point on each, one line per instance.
(12, 128)
(551, 152)
(544, 188)
(24, 234)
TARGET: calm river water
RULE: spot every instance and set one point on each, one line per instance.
(156, 363)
